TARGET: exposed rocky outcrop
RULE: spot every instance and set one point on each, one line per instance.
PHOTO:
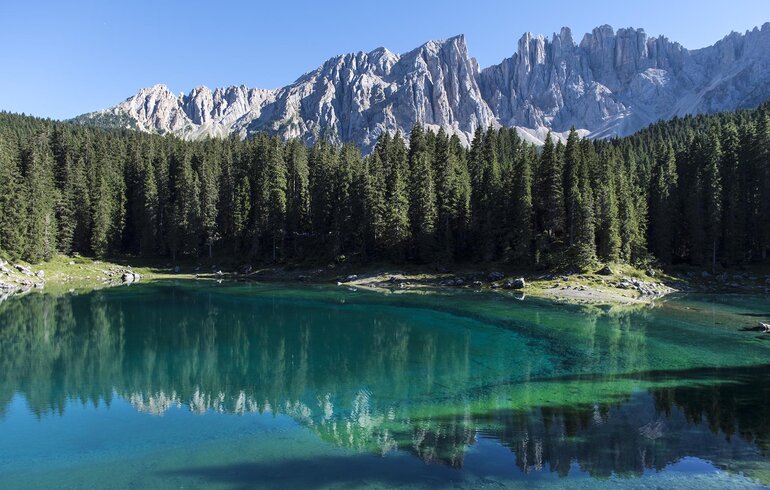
(610, 83)
(18, 279)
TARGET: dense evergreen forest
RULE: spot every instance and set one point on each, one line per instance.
(693, 190)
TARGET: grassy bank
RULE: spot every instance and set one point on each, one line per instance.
(616, 284)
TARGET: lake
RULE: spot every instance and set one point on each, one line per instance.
(232, 385)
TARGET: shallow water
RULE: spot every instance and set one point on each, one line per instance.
(241, 386)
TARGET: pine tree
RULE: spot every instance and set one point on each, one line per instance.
(348, 159)
(369, 215)
(322, 165)
(491, 197)
(584, 224)
(521, 207)
(297, 192)
(422, 198)
(66, 201)
(396, 198)
(662, 203)
(13, 214)
(209, 175)
(761, 191)
(184, 226)
(275, 194)
(486, 209)
(712, 194)
(81, 192)
(451, 200)
(733, 205)
(608, 226)
(572, 168)
(41, 198)
(549, 203)
(241, 211)
(149, 210)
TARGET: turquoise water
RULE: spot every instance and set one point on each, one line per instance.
(186, 385)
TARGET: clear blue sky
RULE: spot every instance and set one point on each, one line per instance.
(63, 58)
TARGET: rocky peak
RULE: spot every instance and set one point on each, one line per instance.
(611, 83)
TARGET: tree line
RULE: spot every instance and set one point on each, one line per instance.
(692, 190)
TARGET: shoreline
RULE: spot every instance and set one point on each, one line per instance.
(612, 285)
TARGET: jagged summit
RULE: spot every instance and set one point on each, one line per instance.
(613, 82)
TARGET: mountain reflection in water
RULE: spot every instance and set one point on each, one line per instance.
(557, 387)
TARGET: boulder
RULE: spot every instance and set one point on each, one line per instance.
(495, 276)
(24, 270)
(477, 284)
(40, 274)
(351, 278)
(128, 277)
(605, 271)
(651, 272)
(519, 283)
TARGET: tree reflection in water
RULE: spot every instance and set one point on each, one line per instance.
(379, 379)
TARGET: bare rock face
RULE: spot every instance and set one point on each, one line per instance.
(615, 83)
(612, 83)
(357, 97)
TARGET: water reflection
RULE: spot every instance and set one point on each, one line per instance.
(557, 387)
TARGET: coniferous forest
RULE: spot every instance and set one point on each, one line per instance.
(693, 190)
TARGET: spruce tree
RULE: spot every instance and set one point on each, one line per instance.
(275, 195)
(183, 229)
(149, 210)
(422, 198)
(608, 226)
(450, 198)
(41, 196)
(549, 202)
(13, 214)
(761, 176)
(297, 192)
(662, 204)
(209, 175)
(712, 194)
(571, 180)
(396, 198)
(521, 207)
(370, 209)
(583, 247)
(241, 211)
(733, 203)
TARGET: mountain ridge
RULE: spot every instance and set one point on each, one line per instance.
(611, 83)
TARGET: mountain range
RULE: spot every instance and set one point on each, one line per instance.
(611, 83)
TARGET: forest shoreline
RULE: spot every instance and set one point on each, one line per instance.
(611, 285)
